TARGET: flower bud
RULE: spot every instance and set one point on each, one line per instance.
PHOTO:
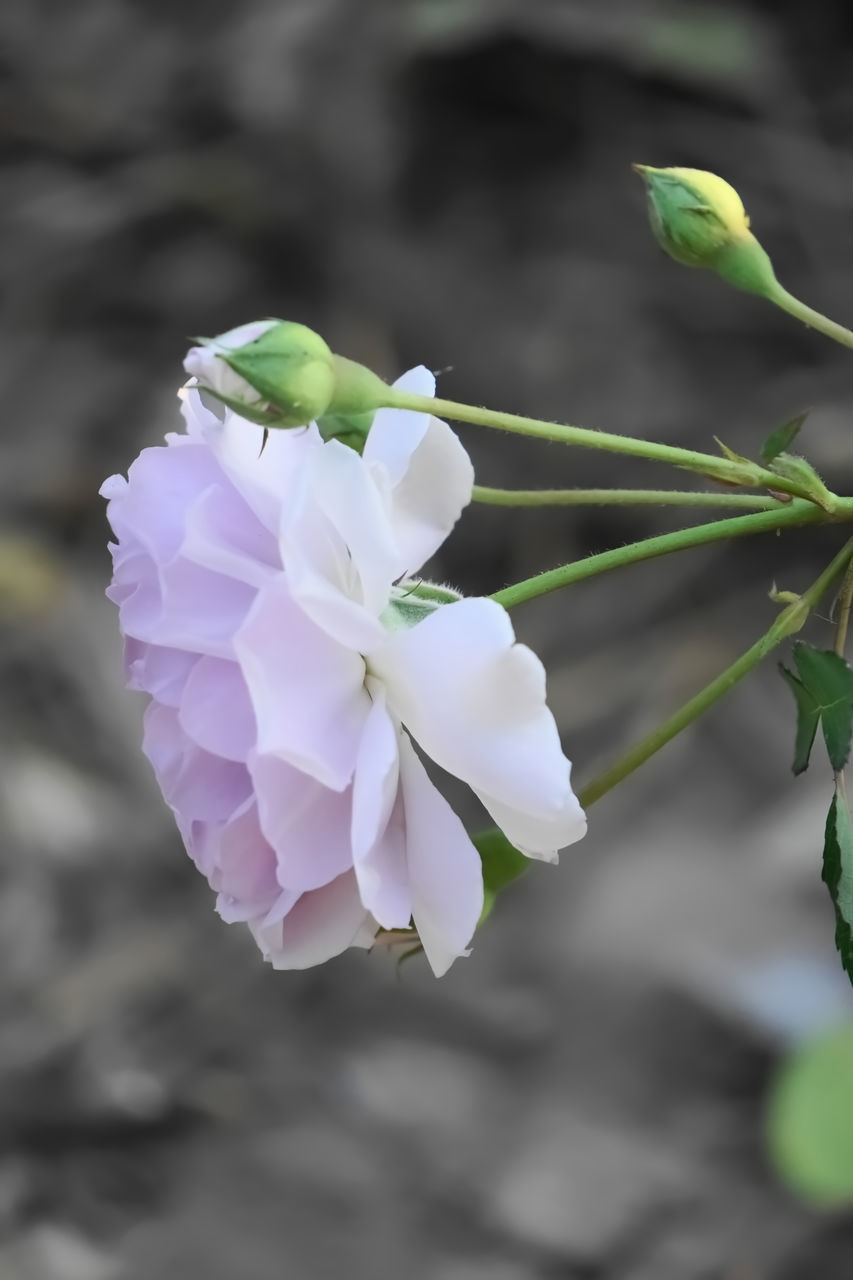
(272, 372)
(700, 221)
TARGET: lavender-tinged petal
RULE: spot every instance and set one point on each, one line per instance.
(215, 710)
(307, 691)
(307, 824)
(321, 925)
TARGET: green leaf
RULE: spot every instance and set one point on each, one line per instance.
(824, 694)
(838, 876)
(779, 439)
(502, 863)
(809, 1121)
(808, 719)
(730, 453)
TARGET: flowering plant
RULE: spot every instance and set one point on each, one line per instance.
(267, 574)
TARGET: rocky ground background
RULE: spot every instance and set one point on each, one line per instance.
(443, 182)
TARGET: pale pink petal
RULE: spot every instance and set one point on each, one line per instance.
(428, 476)
(445, 872)
(307, 824)
(378, 821)
(475, 701)
(215, 710)
(307, 691)
(321, 925)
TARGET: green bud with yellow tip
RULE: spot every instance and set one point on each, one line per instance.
(699, 219)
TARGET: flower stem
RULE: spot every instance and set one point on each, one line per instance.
(842, 605)
(797, 512)
(789, 621)
(743, 474)
(787, 302)
(621, 498)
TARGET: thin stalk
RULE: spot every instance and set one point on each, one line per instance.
(797, 512)
(829, 328)
(622, 498)
(742, 474)
(842, 605)
(789, 621)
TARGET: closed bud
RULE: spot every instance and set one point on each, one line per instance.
(699, 219)
(280, 374)
(273, 372)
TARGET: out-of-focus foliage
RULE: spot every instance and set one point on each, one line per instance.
(810, 1120)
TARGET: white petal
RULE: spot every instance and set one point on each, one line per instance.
(540, 838)
(445, 872)
(337, 546)
(475, 701)
(376, 775)
(427, 474)
(204, 364)
(378, 822)
(215, 710)
(307, 824)
(263, 474)
(307, 691)
(321, 925)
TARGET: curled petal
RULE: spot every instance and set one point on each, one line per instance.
(307, 824)
(378, 821)
(475, 701)
(338, 549)
(161, 484)
(445, 872)
(197, 785)
(427, 474)
(540, 838)
(239, 863)
(153, 669)
(321, 925)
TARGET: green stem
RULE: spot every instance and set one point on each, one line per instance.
(621, 498)
(789, 621)
(843, 605)
(743, 474)
(793, 513)
(787, 302)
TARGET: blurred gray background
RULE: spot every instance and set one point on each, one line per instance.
(443, 182)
